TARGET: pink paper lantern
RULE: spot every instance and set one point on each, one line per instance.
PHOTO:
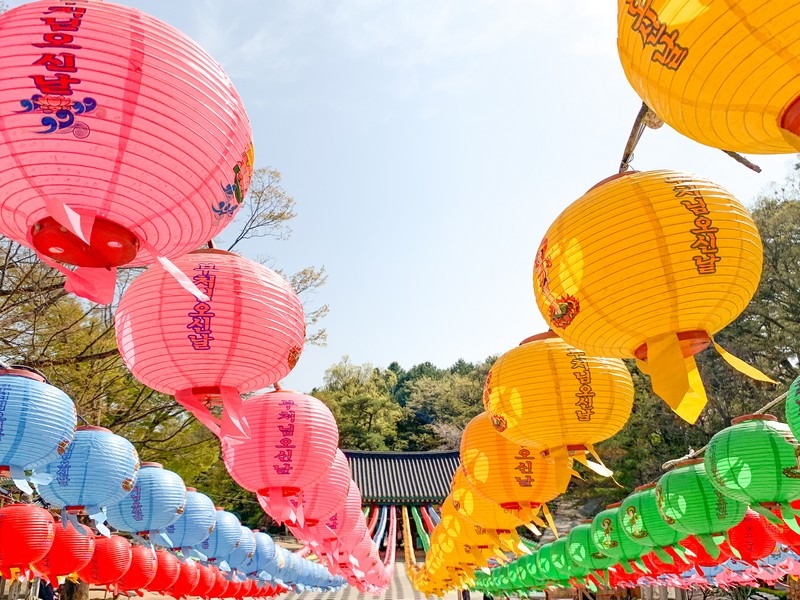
(340, 533)
(289, 444)
(122, 140)
(247, 336)
(369, 560)
(320, 501)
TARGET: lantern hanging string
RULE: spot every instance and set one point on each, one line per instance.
(696, 453)
(647, 118)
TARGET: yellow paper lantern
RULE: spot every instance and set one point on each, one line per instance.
(649, 266)
(724, 73)
(513, 476)
(547, 393)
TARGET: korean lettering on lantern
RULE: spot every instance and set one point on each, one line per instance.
(705, 235)
(525, 467)
(585, 394)
(61, 64)
(285, 446)
(200, 316)
(654, 33)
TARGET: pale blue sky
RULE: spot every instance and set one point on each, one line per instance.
(429, 144)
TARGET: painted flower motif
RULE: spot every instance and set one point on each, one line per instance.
(564, 311)
(499, 423)
(127, 485)
(62, 447)
(487, 389)
(51, 104)
(294, 356)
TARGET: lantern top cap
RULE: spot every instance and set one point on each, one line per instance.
(19, 371)
(92, 428)
(646, 486)
(213, 251)
(688, 462)
(191, 489)
(744, 418)
(610, 178)
(154, 465)
(613, 505)
(547, 335)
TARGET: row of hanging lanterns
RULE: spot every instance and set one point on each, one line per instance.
(728, 518)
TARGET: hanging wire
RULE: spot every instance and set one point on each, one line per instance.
(697, 453)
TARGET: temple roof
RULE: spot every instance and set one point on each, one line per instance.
(403, 477)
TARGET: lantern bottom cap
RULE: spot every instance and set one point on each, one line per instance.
(692, 342)
(790, 119)
(110, 245)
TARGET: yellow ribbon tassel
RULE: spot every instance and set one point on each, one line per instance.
(741, 366)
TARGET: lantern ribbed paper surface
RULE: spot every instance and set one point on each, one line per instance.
(546, 393)
(195, 524)
(610, 540)
(721, 73)
(583, 551)
(750, 538)
(220, 584)
(141, 572)
(247, 336)
(118, 129)
(156, 501)
(648, 266)
(755, 460)
(641, 522)
(188, 578)
(205, 582)
(71, 550)
(505, 472)
(110, 561)
(245, 548)
(224, 538)
(292, 442)
(38, 421)
(689, 503)
(478, 509)
(326, 497)
(263, 555)
(792, 408)
(168, 568)
(98, 469)
(26, 536)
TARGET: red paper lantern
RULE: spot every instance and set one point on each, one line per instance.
(141, 571)
(205, 581)
(281, 456)
(245, 589)
(168, 568)
(188, 578)
(110, 561)
(220, 586)
(122, 140)
(232, 589)
(659, 567)
(26, 536)
(751, 538)
(702, 558)
(71, 551)
(781, 532)
(247, 336)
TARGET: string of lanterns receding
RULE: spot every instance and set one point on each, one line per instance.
(646, 266)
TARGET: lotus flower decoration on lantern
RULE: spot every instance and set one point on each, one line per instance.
(248, 335)
(722, 74)
(129, 147)
(650, 266)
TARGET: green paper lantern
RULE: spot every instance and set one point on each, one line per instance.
(690, 504)
(528, 571)
(609, 538)
(559, 555)
(755, 460)
(793, 408)
(544, 560)
(642, 523)
(583, 551)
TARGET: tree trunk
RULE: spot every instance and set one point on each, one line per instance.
(74, 591)
(794, 588)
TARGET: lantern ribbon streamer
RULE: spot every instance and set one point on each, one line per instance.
(741, 366)
(391, 543)
(423, 536)
(434, 516)
(373, 521)
(427, 520)
(408, 543)
(381, 525)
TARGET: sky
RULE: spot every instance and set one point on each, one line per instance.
(429, 145)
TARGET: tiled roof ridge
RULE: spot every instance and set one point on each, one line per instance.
(401, 453)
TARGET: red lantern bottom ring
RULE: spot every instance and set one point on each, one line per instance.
(692, 342)
(790, 120)
(111, 245)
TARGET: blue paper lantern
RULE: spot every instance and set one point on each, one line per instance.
(156, 501)
(262, 558)
(244, 551)
(37, 423)
(195, 524)
(97, 470)
(223, 539)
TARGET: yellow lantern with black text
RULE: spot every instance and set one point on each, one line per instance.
(511, 475)
(722, 72)
(650, 266)
(547, 393)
